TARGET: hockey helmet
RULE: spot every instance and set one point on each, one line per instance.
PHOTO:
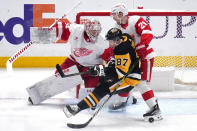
(120, 7)
(93, 29)
(114, 34)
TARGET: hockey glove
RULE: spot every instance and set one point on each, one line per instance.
(111, 63)
(141, 50)
(97, 70)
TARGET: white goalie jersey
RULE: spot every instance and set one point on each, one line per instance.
(83, 51)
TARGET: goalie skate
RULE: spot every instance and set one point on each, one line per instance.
(119, 105)
(71, 110)
(122, 103)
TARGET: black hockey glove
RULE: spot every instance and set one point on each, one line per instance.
(97, 70)
(111, 63)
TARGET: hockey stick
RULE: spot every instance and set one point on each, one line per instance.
(118, 84)
(63, 75)
(21, 51)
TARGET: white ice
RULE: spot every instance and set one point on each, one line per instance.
(179, 109)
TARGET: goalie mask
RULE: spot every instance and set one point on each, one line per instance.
(93, 29)
(120, 7)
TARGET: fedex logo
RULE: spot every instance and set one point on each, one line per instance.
(32, 18)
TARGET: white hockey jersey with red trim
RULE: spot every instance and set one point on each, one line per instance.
(82, 50)
(141, 33)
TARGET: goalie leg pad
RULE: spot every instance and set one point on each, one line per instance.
(53, 85)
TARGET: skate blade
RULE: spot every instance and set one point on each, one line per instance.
(151, 119)
(117, 110)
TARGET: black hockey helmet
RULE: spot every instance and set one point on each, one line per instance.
(114, 34)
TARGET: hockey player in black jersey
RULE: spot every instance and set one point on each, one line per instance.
(124, 58)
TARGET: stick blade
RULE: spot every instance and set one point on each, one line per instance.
(77, 126)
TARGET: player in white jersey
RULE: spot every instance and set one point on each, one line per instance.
(88, 48)
(141, 33)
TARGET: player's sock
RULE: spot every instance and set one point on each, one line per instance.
(90, 101)
(147, 94)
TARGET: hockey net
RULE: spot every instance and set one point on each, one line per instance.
(174, 39)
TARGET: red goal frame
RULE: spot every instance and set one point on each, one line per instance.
(140, 13)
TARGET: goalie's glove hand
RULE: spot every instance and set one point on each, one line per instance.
(97, 70)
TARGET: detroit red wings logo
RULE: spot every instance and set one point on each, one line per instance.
(82, 52)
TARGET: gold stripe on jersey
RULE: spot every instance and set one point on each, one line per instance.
(132, 82)
(122, 86)
(113, 87)
(95, 99)
(89, 104)
(123, 62)
(124, 38)
(125, 84)
(133, 45)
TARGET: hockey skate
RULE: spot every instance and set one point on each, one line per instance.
(153, 114)
(71, 110)
(119, 105)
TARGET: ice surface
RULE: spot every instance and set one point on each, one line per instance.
(179, 109)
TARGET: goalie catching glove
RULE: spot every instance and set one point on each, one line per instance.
(97, 70)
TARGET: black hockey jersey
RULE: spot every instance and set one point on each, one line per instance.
(125, 56)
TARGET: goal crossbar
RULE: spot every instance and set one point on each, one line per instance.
(140, 13)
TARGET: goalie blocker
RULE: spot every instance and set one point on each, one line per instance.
(43, 35)
(53, 85)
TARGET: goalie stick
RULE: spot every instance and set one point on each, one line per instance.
(60, 71)
(21, 51)
(76, 126)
